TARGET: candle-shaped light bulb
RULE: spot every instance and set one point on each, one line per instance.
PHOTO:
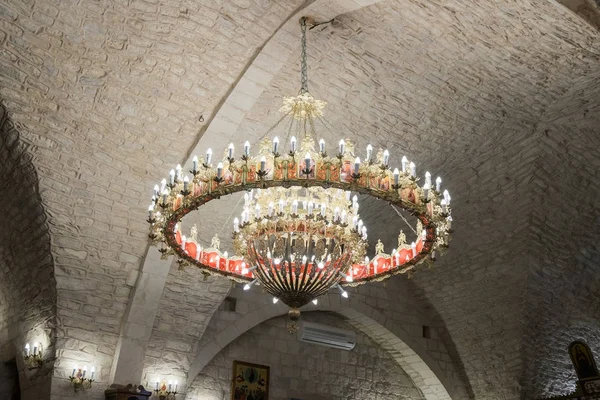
(404, 163)
(369, 152)
(343, 216)
(295, 207)
(281, 206)
(93, 371)
(438, 184)
(315, 302)
(443, 204)
(247, 148)
(360, 225)
(424, 234)
(396, 176)
(449, 222)
(310, 207)
(36, 346)
(354, 221)
(151, 212)
(263, 163)
(304, 259)
(426, 188)
(208, 158)
(195, 164)
(172, 176)
(427, 178)
(322, 146)
(293, 144)
(446, 196)
(163, 184)
(323, 209)
(275, 300)
(219, 170)
(275, 144)
(230, 151)
(165, 194)
(84, 371)
(356, 165)
(157, 385)
(236, 225)
(413, 247)
(178, 174)
(270, 209)
(386, 157)
(156, 190)
(336, 214)
(354, 199)
(27, 349)
(342, 146)
(170, 386)
(257, 211)
(413, 169)
(186, 184)
(183, 242)
(307, 161)
(74, 371)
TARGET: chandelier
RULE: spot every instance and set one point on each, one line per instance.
(299, 233)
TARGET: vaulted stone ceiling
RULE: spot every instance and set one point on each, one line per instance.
(500, 98)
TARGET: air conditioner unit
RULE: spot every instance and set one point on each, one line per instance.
(326, 335)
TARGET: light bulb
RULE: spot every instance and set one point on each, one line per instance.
(315, 301)
(275, 300)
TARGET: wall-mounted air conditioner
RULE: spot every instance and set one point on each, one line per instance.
(326, 335)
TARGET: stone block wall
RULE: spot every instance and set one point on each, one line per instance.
(27, 285)
(306, 371)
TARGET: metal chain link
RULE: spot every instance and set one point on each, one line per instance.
(303, 67)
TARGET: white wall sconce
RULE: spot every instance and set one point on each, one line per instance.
(79, 380)
(33, 359)
(166, 391)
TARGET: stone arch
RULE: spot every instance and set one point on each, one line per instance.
(425, 372)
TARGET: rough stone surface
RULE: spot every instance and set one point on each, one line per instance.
(498, 97)
(306, 371)
(27, 287)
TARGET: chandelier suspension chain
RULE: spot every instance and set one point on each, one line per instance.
(303, 66)
(404, 219)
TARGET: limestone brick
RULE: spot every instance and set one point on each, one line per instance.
(302, 370)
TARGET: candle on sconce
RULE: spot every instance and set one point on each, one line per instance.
(84, 371)
(293, 144)
(310, 207)
(157, 385)
(257, 211)
(438, 184)
(93, 372)
(186, 184)
(175, 385)
(281, 205)
(322, 146)
(195, 164)
(447, 197)
(170, 386)
(356, 165)
(359, 225)
(236, 225)
(178, 173)
(35, 349)
(369, 153)
(27, 349)
(336, 214)
(323, 209)
(295, 207)
(165, 194)
(156, 190)
(404, 163)
(74, 371)
(172, 176)
(263, 163)
(230, 151)
(386, 158)
(396, 176)
(219, 170)
(427, 178)
(275, 144)
(163, 185)
(413, 169)
(342, 146)
(247, 148)
(208, 157)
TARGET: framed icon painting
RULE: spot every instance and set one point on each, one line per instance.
(250, 381)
